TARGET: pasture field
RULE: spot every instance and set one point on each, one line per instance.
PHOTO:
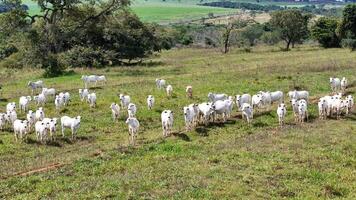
(315, 160)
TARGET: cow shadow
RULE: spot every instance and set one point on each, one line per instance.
(3, 100)
(182, 136)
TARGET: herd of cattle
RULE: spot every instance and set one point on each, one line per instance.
(218, 107)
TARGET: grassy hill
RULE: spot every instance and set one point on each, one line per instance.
(222, 161)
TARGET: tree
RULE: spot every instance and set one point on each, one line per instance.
(347, 29)
(324, 31)
(292, 25)
(252, 33)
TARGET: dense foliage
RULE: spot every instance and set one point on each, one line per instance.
(243, 5)
(324, 31)
(347, 29)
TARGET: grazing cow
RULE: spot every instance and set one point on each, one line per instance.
(20, 128)
(72, 123)
(302, 110)
(150, 101)
(247, 112)
(11, 106)
(160, 83)
(41, 129)
(35, 85)
(241, 99)
(24, 103)
(31, 118)
(215, 97)
(131, 110)
(256, 101)
(323, 108)
(83, 94)
(167, 122)
(124, 100)
(39, 115)
(277, 96)
(134, 125)
(92, 100)
(89, 79)
(205, 111)
(169, 90)
(299, 95)
(49, 92)
(281, 112)
(189, 91)
(115, 110)
(335, 84)
(343, 84)
(40, 99)
(52, 123)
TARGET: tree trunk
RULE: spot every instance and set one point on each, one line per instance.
(288, 43)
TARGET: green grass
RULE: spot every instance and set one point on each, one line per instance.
(315, 160)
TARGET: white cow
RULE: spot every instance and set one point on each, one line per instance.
(72, 123)
(39, 115)
(2, 121)
(31, 118)
(65, 96)
(92, 100)
(343, 84)
(89, 79)
(101, 79)
(41, 129)
(49, 92)
(167, 122)
(281, 113)
(131, 110)
(11, 106)
(35, 85)
(160, 83)
(256, 101)
(222, 108)
(124, 100)
(20, 128)
(59, 102)
(323, 108)
(335, 84)
(115, 110)
(277, 96)
(83, 94)
(195, 108)
(189, 91)
(299, 95)
(214, 97)
(11, 116)
(350, 102)
(266, 98)
(40, 99)
(247, 112)
(24, 103)
(189, 116)
(302, 110)
(134, 125)
(205, 111)
(169, 90)
(150, 101)
(241, 99)
(52, 123)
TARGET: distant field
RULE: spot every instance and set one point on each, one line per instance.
(316, 160)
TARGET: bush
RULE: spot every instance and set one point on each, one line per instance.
(349, 43)
(13, 61)
(324, 31)
(80, 56)
(270, 38)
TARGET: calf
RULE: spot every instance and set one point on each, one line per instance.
(247, 112)
(134, 125)
(169, 90)
(167, 122)
(72, 123)
(115, 110)
(124, 100)
(189, 91)
(281, 113)
(150, 101)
